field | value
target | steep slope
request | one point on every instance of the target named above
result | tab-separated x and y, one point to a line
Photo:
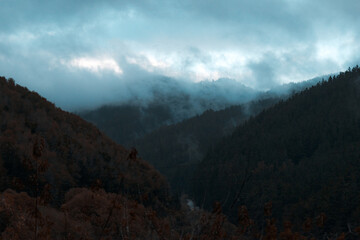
302	154
176	150
76	183
47	152
77	153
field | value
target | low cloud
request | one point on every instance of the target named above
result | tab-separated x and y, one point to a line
94	65
78	53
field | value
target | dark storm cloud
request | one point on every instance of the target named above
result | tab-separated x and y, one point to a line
105	48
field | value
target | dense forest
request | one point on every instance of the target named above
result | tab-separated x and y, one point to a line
125	123
176	150
61	178
302	155
77	153
288	172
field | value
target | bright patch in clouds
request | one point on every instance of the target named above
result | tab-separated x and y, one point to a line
96	65
196	65
153	62
337	49
201	72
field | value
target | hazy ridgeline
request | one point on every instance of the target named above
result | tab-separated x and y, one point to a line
166	101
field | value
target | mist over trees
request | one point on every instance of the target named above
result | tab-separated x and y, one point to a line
179	120
167	101
164	101
281	167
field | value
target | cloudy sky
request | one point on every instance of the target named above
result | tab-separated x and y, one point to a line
77	52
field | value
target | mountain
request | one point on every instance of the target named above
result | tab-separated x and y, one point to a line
78	154
165	102
302	155
61	178
175	150
125	123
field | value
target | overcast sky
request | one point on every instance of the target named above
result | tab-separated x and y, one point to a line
70	50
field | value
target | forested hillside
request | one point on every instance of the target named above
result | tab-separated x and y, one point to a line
302	155
164	102
78	154
176	150
61	178
50	156
125	123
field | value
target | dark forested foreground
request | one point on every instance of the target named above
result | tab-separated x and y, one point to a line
63	179
289	173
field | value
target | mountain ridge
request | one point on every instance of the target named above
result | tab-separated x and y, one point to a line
275	156
70	144
172	102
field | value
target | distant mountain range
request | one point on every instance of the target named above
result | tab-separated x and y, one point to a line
168	101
